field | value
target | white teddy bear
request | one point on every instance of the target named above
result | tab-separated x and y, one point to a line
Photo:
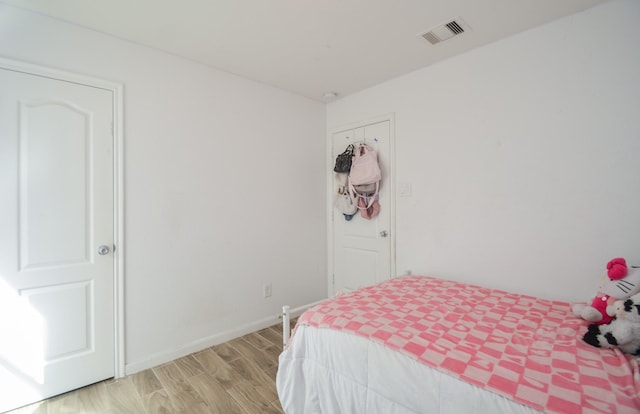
623	332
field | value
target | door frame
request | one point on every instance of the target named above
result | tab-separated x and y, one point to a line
118	187
390	181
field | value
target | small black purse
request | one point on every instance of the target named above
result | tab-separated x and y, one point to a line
343	161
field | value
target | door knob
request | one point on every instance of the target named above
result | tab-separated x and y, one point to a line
384	233
103	249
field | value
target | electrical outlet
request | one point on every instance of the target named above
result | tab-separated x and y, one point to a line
266	290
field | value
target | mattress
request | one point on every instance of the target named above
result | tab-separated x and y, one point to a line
423	345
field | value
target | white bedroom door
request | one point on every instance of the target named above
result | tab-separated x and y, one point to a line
362	251
56	237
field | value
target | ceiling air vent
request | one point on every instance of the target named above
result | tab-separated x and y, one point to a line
445	31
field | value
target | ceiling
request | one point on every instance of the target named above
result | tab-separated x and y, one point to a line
308	47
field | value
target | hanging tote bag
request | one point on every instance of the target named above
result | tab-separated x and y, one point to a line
364	167
365	174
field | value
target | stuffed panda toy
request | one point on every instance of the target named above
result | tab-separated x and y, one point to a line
622	332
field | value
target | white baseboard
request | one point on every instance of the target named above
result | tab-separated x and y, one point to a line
195	346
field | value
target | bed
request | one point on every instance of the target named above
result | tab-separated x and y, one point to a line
419	344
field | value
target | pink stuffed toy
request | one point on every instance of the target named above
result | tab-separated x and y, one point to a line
619	285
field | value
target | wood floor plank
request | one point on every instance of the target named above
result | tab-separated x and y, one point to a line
277	406
189	366
273	353
244	393
210	361
236	377
64	404
252	373
168	372
217	367
257	341
123	397
272	372
146	382
37	408
199	407
93	399
277	328
182	395
272	336
250	352
219	401
157	402
226	377
226	352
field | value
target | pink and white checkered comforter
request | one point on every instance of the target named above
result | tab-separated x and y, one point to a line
525	348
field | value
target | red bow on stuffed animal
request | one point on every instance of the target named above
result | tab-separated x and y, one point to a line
617	268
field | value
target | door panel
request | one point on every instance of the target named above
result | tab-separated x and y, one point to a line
40	161
56	187
362	251
66	309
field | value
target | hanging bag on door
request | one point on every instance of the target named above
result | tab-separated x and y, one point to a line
345	205
364	167
343	161
364	179
343	202
370	212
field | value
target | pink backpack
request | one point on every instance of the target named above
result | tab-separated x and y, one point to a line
364	179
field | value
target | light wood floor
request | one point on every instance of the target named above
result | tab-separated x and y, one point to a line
237	377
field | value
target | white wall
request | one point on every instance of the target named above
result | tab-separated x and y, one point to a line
219	196
523	156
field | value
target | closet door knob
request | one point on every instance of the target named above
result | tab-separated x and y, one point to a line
102	250
384	233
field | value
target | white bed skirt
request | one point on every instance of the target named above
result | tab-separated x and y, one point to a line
331	372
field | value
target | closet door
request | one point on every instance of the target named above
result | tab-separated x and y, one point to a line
362	250
56	237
